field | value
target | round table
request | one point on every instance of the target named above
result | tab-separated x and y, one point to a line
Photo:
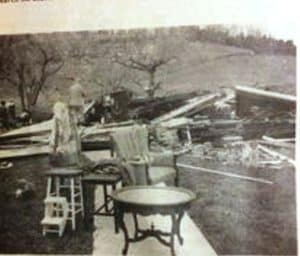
151	200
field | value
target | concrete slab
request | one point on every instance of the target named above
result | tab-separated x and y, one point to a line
107	243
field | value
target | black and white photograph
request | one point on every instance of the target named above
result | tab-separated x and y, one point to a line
168	140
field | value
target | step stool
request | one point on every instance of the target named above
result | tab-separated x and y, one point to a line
56	215
69	179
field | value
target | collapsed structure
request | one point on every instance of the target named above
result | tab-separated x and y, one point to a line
243	126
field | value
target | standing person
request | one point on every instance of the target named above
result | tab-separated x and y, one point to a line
77	100
4	115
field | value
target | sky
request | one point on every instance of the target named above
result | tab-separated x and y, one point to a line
274	17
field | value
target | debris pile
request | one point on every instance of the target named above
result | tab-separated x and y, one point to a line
231	154
242	153
229	127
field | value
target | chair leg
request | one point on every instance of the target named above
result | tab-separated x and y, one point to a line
81	197
73	209
57	186
49	182
176	181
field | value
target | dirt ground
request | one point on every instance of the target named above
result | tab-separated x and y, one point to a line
237	217
244	217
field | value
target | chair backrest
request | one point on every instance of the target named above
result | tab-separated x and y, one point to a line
132	142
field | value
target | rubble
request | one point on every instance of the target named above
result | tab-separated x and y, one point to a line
231	154
193	106
217	132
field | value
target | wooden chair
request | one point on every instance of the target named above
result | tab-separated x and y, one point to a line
56	215
141	166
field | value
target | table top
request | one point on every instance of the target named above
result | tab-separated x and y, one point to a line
153	196
64	172
101	177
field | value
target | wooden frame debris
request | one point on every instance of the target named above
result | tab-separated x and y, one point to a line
276	154
194	105
228	174
247	97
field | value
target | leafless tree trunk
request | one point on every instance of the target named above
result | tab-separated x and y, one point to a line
27	64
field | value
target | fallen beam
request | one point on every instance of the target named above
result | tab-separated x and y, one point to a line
267	94
247	97
276	154
268	138
277	144
22	152
228	174
35	129
193	105
285	139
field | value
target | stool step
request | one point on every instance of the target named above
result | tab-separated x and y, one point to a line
55	199
52	221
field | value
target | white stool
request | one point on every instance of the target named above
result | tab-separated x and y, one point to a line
72	178
56	215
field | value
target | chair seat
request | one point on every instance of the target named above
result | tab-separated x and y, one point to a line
53	221
161	173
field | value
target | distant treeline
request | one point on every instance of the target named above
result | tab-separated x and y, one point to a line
254	40
250	38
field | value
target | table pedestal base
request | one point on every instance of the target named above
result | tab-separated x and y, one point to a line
141	234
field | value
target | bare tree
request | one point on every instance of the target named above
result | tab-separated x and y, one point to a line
110	78
27	64
149	58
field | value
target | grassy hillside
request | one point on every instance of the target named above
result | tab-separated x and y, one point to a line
198	66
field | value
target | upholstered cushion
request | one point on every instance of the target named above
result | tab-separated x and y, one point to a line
164	158
161	173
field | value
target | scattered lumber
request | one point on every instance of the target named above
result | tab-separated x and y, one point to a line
276	154
193	106
151	108
228	174
268	138
285	139
267	94
247	97
277	144
177	122
26	131
27	140
117	124
96	130
22	152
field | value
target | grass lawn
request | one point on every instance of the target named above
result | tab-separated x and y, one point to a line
242	217
20	229
237	217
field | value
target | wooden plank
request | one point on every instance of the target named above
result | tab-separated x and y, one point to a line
283	141
22	152
286	139
40	128
196	103
227	174
269	103
277	144
276	154
268	94
89	132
